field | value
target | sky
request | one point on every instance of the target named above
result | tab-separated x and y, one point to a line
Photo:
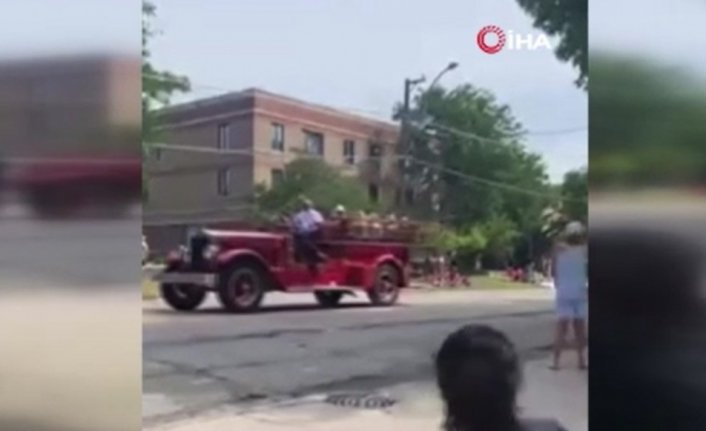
355	55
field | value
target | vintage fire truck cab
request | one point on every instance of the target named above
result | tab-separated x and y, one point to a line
241	267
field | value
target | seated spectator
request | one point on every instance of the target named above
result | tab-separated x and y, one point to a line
479	375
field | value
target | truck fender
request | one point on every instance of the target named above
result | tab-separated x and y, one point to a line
224	259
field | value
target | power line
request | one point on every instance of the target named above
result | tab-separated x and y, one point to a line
493	183
472	178
567	131
377	113
476	137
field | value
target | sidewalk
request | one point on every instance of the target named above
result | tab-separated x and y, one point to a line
562	395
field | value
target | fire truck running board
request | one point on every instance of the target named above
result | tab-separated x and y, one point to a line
347	290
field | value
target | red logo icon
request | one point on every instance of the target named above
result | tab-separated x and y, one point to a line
485	31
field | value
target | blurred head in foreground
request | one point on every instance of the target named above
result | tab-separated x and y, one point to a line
478	374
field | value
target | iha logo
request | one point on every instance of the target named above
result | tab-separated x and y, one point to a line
491	39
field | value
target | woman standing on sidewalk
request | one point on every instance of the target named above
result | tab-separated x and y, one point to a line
569	271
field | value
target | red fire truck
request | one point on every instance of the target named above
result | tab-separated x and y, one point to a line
61	186
241	267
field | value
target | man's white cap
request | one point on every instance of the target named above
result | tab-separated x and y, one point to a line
339	209
574	228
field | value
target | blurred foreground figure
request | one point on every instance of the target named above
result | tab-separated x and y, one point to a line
479	375
71	139
648	353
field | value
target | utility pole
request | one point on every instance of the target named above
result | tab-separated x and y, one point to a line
405	145
435	186
405	141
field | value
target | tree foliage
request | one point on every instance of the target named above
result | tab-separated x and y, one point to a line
157	88
574	193
157	85
490	183
473	168
501	236
468	241
571	204
313	178
567	19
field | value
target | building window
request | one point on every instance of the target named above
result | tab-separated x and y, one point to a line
277	176
223	136
223	182
277	137
314	143
349	152
375	151
373	192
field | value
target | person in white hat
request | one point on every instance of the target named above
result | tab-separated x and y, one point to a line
339	212
569	270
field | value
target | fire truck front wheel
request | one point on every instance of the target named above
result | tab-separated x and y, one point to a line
183	297
242	288
386	289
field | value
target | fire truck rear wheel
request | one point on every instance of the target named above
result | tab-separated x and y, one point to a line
386	289
183	297
328	299
242	288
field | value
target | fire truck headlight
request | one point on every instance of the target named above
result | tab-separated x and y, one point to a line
211	252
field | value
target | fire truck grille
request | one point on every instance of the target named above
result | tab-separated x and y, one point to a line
197	246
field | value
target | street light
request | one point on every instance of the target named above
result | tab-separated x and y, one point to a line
404	148
423	119
451	66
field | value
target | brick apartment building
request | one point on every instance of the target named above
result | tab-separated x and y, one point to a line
262	132
79	104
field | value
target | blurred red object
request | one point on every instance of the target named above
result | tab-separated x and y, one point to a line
62	186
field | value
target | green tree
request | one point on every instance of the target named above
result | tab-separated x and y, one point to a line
482	178
469	241
489	182
501	235
157	85
320	182
567	19
574	193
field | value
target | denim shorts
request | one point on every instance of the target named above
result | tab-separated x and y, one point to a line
572	308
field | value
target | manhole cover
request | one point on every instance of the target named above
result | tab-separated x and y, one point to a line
361	401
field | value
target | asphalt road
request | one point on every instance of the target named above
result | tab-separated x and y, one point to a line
199	361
